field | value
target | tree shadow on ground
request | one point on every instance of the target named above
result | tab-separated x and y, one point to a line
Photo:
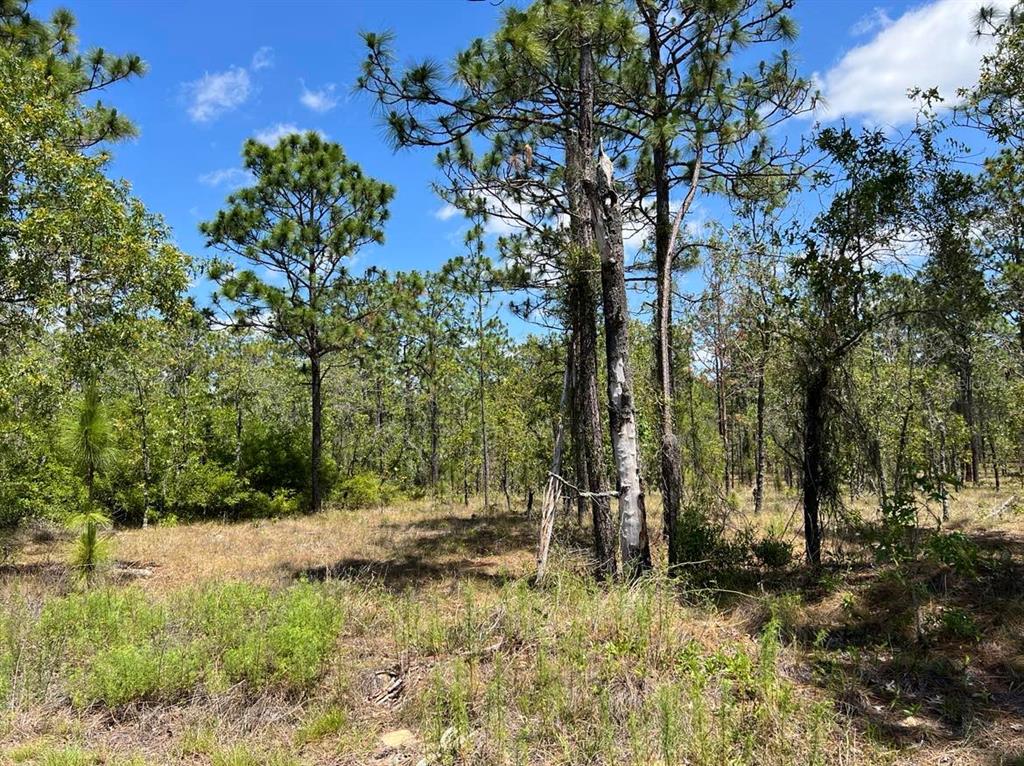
474	535
437	548
921	653
50	574
404	572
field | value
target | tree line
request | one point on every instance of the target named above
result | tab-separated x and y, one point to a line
857	330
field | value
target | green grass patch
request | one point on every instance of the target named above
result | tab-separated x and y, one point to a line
113	647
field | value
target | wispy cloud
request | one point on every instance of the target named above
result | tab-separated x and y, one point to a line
931	45
229	177
878	18
446	212
262	59
320	100
214	94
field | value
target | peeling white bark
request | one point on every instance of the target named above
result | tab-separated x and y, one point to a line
633	540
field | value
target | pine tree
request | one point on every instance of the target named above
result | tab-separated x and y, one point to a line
308	213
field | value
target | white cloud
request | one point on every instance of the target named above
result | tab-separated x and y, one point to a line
262	59
230	177
322	100
274	133
932	45
446	212
214	94
869	22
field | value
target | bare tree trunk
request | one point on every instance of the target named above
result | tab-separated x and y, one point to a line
486	460
942	472
435	420
583	298
634	546
144	437
759	455
723	421
967	383
316	446
815	391
551	488
238	435
665	233
504	484
378	423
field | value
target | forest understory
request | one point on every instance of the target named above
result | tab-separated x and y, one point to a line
414	633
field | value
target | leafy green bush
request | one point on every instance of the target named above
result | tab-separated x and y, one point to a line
955	623
127	673
208	490
291	646
364	490
954	549
772	551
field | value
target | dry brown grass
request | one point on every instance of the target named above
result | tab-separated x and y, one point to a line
417	542
415	577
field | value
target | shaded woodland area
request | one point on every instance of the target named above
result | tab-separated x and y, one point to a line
774	518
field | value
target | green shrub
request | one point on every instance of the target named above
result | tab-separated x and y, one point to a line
92	550
954	549
69	756
291	648
699	537
282	503
364	490
111	647
322	725
129	673
239	755
772	551
955	623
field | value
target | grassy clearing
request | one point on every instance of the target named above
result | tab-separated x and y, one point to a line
414	633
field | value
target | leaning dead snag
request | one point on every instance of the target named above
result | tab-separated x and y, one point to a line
551	493
607	216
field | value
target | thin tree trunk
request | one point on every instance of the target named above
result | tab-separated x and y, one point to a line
942	472
815	391
238	435
759	454
967	382
486	461
551	488
378	423
665	234
435	428
504	484
144	444
995	460
723	422
316	446
634	546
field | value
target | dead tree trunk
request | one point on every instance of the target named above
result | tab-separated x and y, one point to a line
634	546
551	489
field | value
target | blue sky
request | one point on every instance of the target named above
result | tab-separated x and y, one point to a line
221	71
